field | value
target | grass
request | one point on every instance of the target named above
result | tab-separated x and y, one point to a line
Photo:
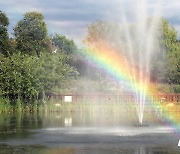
55	105
6	106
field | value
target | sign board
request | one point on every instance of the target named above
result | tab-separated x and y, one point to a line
67	98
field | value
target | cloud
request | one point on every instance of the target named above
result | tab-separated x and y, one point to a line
70	12
71	17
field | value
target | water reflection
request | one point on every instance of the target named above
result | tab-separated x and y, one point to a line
68	122
141	150
18	125
93	132
38	149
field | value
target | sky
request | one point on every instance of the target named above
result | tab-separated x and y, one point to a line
71	17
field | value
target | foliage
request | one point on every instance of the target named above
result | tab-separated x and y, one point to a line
102	31
165	64
69	48
98	33
30	70
173	67
64	44
31	76
5	105
31	34
54	72
16	78
176	88
4	22
169	36
171	52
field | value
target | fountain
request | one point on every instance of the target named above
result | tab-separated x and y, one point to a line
140	44
144	47
127	51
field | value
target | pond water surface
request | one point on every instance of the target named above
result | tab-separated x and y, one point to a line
81	132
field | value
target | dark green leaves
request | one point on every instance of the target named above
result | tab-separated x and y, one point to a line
31	34
4	22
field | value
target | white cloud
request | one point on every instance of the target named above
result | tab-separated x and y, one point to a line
71	17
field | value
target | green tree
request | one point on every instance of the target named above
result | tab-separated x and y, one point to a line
173	53
64	44
169	36
31	76
165	61
69	48
166	64
16	77
4	22
173	67
31	34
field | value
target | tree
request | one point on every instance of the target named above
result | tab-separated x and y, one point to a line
169	55
31	76
4	22
16	77
164	63
169	36
173	67
64	44
173	53
102	32
69	48
31	34
99	34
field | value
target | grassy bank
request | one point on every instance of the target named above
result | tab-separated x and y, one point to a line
7	106
57	105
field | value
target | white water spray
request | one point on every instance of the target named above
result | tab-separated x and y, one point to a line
140	44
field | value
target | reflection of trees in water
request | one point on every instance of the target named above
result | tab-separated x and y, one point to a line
21	149
16	125
141	150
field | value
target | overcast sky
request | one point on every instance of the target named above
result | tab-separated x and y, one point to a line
71	17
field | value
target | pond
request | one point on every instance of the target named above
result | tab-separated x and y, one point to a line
86	132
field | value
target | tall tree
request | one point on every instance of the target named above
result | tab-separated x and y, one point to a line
31	34
4	22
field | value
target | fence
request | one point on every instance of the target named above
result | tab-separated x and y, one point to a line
101	97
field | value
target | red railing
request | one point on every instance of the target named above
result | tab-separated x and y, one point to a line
101	97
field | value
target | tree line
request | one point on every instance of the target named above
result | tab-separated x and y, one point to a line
164	63
34	64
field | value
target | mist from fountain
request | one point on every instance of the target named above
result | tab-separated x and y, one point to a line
140	45
126	47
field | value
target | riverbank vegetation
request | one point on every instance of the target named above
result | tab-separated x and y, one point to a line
35	65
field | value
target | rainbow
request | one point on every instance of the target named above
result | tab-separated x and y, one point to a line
120	68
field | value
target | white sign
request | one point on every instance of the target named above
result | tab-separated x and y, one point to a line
179	143
67	98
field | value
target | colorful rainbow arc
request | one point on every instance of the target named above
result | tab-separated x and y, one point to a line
118	66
